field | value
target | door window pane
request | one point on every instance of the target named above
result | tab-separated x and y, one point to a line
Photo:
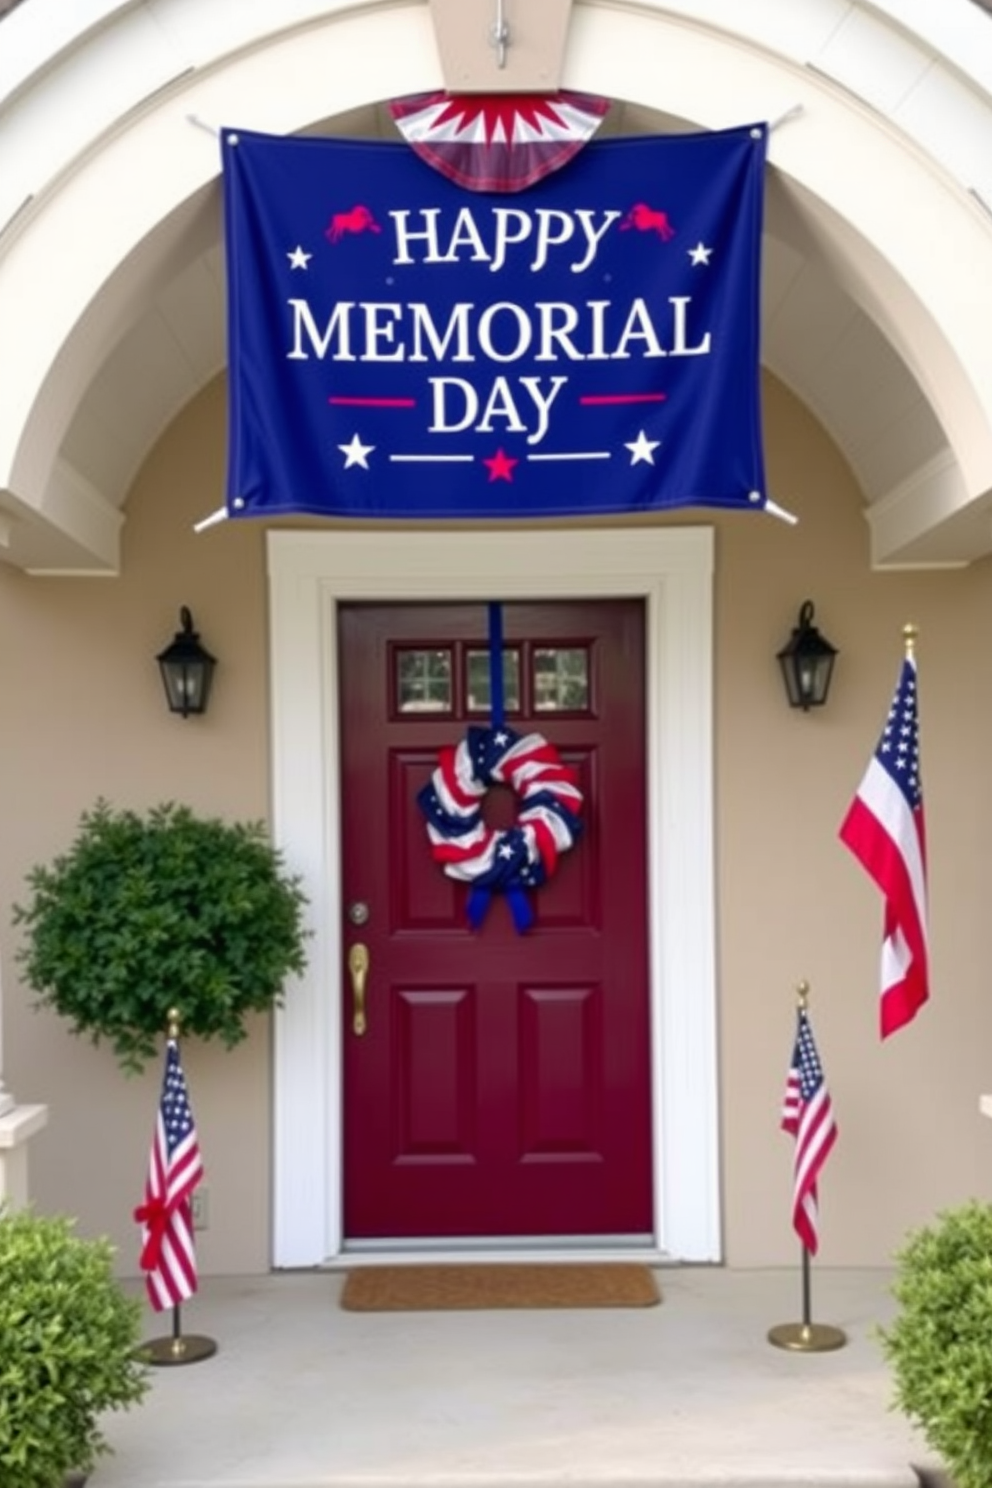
423	681
477	689
561	679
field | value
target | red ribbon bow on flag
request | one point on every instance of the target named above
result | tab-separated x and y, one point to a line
154	1214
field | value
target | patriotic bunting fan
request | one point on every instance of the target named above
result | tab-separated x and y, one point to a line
497	141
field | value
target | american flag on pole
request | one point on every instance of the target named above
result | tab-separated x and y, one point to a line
168	1257
884	828
807	1115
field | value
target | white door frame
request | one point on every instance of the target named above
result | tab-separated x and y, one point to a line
310	573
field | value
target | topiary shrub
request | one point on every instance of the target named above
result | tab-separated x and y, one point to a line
940	1345
146	913
68	1336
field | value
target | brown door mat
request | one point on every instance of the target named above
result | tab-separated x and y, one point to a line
462	1287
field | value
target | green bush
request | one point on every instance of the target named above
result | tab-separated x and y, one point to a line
167	910
68	1336
940	1345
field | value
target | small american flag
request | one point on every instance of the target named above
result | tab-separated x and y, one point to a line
884	829
168	1257
807	1115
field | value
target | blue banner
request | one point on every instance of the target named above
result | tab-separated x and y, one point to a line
399	347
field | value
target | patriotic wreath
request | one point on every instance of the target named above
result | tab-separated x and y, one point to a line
521	857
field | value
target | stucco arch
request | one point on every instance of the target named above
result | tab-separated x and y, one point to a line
110	267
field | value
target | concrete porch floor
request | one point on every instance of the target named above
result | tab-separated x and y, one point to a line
303	1395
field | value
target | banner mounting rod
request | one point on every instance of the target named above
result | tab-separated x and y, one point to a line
790	113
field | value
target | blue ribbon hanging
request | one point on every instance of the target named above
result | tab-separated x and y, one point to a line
480	898
497	697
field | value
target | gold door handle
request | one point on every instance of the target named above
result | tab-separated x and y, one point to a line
358	966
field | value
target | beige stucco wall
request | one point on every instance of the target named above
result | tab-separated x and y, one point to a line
89	720
92	721
792	902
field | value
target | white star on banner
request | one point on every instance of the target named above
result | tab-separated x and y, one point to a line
298	259
356	453
700	254
642	449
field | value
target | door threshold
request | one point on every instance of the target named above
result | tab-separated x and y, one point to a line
493	1252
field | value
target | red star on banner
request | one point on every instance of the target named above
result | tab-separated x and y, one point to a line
500	466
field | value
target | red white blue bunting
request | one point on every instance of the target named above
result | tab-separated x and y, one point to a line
521	857
498	141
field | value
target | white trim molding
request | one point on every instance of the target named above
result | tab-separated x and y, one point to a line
310	575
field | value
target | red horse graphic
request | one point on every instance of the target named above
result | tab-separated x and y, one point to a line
358	220
647	219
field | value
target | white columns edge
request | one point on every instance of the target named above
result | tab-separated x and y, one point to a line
17	1126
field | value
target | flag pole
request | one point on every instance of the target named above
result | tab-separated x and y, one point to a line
177	1347
806	1337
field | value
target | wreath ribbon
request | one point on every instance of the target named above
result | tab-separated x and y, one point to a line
511	861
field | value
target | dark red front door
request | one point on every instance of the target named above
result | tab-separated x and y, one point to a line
500	1086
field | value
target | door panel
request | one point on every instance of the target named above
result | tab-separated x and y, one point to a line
501	1086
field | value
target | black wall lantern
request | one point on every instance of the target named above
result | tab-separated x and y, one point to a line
186	670
807	663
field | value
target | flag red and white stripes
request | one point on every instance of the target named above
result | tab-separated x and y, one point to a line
884	828
807	1115
168	1255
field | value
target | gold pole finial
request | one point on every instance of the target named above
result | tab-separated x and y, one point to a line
909	635
172	1030
802	995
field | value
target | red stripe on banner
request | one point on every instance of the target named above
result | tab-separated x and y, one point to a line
374	402
591	399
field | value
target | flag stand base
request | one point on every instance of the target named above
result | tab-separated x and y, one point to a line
807	1338
188	1348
